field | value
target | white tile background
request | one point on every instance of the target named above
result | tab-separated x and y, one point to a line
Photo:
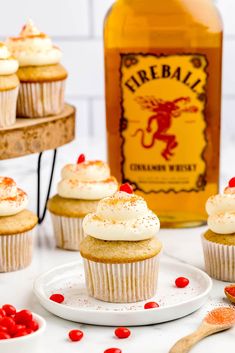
76	26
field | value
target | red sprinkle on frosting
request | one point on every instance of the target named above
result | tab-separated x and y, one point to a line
81	158
126	188
231	183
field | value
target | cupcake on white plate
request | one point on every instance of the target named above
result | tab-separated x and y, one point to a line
81	187
9	87
121	250
42	77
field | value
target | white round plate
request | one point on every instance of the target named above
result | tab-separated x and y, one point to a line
79	307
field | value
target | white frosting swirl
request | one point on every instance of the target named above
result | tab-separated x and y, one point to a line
89	180
12	199
8	65
221	211
122	217
33	48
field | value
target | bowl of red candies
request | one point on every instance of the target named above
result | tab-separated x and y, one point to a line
20	331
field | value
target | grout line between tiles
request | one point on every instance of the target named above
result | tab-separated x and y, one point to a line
92	36
91	18
90	117
101	97
84	97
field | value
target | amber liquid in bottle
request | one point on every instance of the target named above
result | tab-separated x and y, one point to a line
163	63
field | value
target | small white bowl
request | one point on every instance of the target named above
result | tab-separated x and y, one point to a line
25	344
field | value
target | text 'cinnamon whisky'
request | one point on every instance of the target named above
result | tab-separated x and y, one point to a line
163	63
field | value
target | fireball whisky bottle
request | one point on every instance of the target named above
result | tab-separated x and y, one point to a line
163	63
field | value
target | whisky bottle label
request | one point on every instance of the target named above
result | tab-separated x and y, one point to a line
163	125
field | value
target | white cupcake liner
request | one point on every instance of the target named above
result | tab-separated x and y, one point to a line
68	232
122	283
219	260
8	101
37	100
16	251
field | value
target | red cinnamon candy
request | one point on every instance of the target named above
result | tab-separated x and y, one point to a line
126	188
57	297
230	292
230	189
231	183
16	323
81	158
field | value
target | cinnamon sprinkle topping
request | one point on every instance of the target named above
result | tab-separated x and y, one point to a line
221	316
29	36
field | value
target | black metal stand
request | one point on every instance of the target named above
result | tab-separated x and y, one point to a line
42	216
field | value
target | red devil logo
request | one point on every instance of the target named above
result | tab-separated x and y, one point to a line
164	112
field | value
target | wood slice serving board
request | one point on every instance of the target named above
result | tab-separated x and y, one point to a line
29	136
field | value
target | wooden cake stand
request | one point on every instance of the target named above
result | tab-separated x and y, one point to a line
30	136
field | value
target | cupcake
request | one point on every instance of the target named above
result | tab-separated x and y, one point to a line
42	77
16	227
9	87
121	250
219	241
82	186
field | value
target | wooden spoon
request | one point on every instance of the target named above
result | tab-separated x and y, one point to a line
217	320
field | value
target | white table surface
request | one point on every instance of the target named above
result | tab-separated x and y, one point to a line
180	245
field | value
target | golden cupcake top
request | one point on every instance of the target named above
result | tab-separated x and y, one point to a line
225	239
33	47
119	252
71	207
221	210
19	223
87	180
122	217
8	65
12	199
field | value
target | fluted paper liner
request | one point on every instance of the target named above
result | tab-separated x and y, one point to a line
219	260
122	283
16	251
68	232
40	99
8	101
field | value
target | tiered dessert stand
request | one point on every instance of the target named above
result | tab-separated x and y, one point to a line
30	136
